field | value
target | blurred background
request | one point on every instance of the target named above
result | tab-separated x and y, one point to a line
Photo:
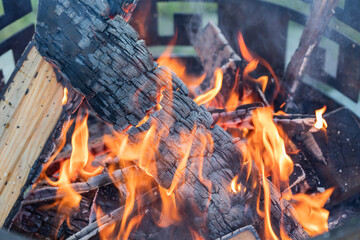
271	28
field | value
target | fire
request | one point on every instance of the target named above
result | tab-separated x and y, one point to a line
178	66
266	147
210	95
310	212
143	153
233	100
264	144
78	166
237	187
320	122
169	212
65	98
254	60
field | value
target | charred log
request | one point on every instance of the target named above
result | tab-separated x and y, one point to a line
104	60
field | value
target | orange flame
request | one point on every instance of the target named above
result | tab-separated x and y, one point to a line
76	167
266	147
210	95
254	60
237	187
65	98
320	122
106	230
169	212
310	212
233	100
178	66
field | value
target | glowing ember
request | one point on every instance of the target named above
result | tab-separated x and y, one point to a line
320	122
65	98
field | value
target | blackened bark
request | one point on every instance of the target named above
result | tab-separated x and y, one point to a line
104	60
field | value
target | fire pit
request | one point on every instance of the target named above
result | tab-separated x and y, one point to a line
129	119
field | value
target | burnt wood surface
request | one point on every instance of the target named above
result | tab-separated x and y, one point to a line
215	52
340	146
321	13
43	221
104	60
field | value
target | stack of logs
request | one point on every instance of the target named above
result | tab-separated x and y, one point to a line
108	66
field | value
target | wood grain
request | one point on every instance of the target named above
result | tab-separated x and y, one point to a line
29	110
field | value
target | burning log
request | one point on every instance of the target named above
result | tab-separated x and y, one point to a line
339	146
92	229
195	161
39	220
216	53
32	113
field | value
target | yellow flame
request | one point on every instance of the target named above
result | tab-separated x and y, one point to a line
320	122
65	98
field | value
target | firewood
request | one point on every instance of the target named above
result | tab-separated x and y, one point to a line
339	146
43	221
30	109
92	229
215	52
50	193
104	60
245	233
322	11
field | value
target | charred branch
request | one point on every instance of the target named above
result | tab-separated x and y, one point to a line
322	11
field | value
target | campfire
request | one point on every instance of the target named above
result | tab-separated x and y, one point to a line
142	148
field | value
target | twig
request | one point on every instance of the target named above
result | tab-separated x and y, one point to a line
116	215
51	193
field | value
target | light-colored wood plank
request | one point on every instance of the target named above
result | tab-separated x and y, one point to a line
36	106
16	91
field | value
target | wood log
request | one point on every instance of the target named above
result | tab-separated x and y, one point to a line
322	11
43	221
104	60
30	109
339	146
215	52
